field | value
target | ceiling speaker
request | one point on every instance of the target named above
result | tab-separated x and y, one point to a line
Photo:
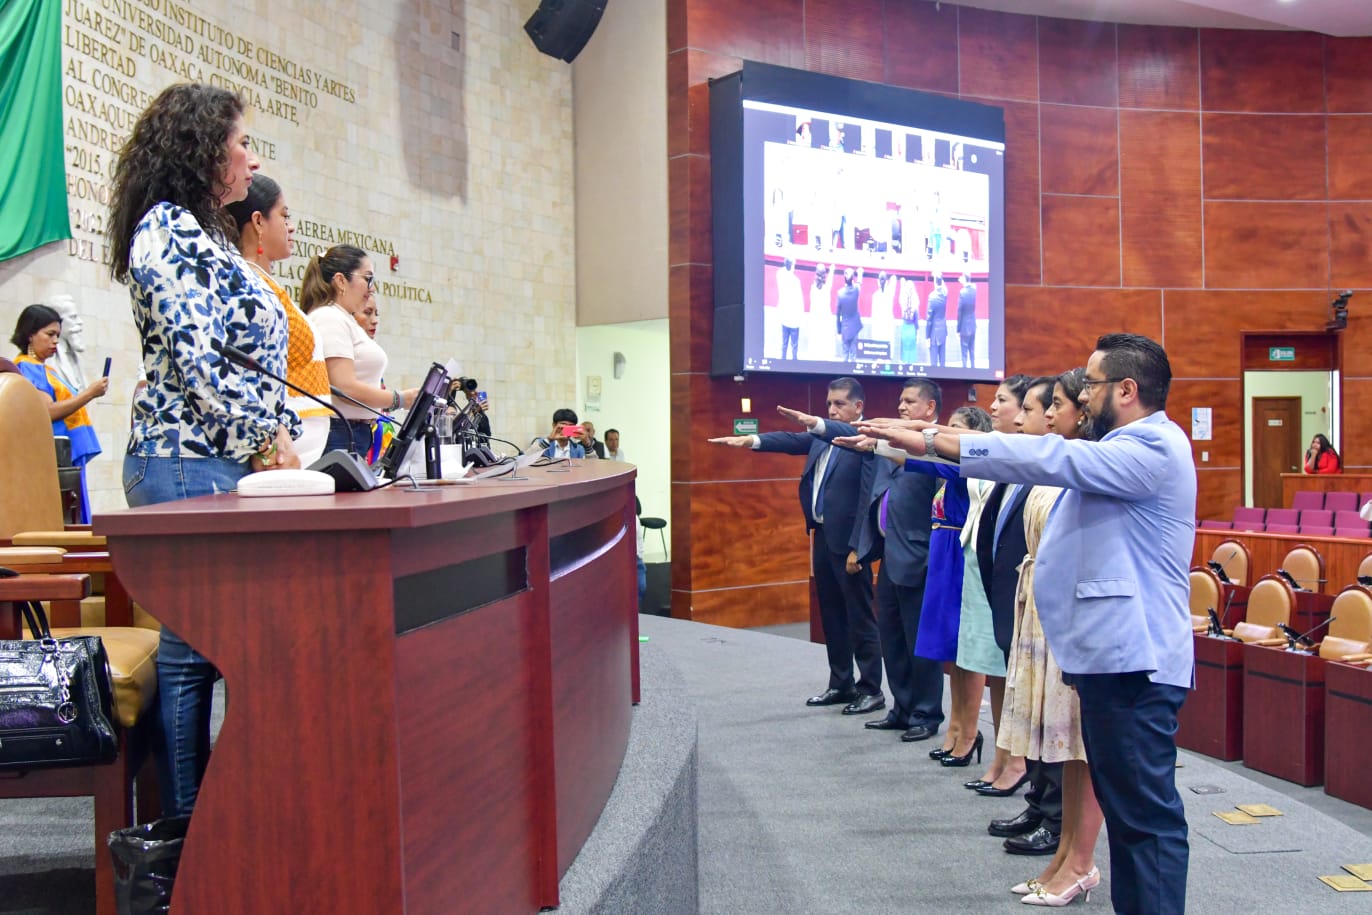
561	28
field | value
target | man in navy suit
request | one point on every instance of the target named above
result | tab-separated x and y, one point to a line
893	526
830	491
1112	589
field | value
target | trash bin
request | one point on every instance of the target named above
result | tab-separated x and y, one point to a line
145	862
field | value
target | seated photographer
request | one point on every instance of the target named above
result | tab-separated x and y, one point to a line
562	446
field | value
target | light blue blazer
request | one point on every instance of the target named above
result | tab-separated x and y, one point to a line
1111	579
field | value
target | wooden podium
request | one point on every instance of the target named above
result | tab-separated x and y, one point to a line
1211	719
1283	714
1347	721
429	690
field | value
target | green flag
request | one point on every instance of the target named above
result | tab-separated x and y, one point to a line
33	192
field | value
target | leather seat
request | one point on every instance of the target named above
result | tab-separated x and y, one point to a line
1205	596
1350	630
1234	557
1270	602
1305	564
132	655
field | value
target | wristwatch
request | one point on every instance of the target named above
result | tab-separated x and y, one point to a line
929	436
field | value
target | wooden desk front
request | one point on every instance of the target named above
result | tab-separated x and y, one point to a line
1283	714
430	691
1341	554
1211	718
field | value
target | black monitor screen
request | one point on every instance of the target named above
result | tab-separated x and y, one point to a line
434	388
859	229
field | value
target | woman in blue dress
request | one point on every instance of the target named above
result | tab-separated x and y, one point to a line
947	590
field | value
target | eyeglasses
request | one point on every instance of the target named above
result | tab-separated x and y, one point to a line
371	281
1092	382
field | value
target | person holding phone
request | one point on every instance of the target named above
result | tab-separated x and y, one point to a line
1321	457
565	432
36	335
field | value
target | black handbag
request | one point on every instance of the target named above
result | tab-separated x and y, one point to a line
56	702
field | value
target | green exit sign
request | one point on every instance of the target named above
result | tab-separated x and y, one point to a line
745	427
1281	354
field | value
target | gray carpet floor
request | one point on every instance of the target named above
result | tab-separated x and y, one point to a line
803	811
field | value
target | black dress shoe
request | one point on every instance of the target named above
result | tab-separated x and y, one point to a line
1039	842
1026	822
993	791
889	723
918	732
832	696
865	704
975	783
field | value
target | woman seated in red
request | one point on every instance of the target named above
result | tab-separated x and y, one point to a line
1321	457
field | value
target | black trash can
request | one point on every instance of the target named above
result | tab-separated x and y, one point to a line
145	861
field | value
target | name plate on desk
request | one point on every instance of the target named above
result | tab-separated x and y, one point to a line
429	597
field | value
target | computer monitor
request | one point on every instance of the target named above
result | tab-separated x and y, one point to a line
434	388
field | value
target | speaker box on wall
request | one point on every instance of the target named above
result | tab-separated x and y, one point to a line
561	28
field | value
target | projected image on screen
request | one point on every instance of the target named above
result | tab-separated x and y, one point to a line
873	254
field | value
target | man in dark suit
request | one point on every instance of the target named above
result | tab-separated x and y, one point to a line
893	526
849	312
831	488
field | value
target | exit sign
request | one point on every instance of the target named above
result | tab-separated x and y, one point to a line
1281	354
745	427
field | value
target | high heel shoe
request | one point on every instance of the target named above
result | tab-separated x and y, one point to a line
1040	896
939	753
975	783
966	759
993	791
1029	886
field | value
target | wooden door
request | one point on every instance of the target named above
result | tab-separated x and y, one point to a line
1276	426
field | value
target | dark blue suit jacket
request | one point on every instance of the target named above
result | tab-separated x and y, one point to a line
1000	568
846	478
905	548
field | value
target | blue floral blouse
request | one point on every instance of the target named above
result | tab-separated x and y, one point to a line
189	290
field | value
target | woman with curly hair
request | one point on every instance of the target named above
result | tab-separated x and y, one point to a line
202	423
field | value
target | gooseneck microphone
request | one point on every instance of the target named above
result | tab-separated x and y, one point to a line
1295	639
350	473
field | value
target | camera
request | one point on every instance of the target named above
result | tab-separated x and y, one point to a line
465	384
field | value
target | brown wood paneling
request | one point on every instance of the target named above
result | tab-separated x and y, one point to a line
1313	352
845	38
1081	241
1292	483
1079	154
770	31
1266	245
1160	206
1348	74
1223	397
1264	157
1023	213
714	403
922	46
757	605
1261	71
1341	554
688	98
1350	157
1050	330
997	54
1203	326
757	534
1217	492
676	24
1159	67
1357	423
678	104
1077	63
689	238
691	316
1350	241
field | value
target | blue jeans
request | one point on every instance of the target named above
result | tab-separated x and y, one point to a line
185	680
354	437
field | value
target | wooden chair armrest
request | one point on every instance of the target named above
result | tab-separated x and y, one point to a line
45	587
1269	643
1362	656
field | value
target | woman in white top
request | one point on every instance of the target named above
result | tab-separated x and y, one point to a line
336	286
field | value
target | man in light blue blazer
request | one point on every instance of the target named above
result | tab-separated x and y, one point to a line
1111	583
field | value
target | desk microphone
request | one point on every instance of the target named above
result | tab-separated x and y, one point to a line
1294	638
1290	579
1216	629
1218	568
350	473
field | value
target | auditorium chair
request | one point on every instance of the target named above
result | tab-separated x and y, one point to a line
1307	500
1234	558
133	674
1341	501
1217	525
31	513
1249	519
1305	564
1283	521
1269	603
1317	522
1205	596
1365	567
1350	631
1349	524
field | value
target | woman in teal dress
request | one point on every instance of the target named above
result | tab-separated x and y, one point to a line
35	335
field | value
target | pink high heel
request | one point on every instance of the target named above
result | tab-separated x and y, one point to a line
1041	896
